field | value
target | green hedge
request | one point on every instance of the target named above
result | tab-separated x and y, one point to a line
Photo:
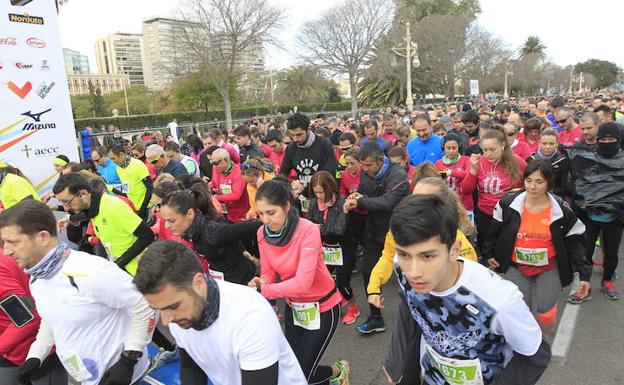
160	120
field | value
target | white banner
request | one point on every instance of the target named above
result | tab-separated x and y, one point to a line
36	121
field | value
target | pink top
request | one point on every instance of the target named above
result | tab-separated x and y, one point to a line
234	155
493	183
454	181
276	158
522	149
300	266
349	184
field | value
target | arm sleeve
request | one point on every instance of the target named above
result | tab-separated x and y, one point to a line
190	372
145	236
575	247
309	250
343	189
266	376
403	357
383	268
126	297
459	174
219	233
397	189
469	183
149	185
525	370
43	343
11	336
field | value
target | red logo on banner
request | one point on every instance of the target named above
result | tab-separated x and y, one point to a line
20	91
36	42
23	66
8	41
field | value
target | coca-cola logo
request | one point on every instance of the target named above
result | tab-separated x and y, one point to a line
8	41
36	42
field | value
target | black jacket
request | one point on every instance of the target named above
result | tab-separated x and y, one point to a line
561	167
380	198
219	241
335	229
568	236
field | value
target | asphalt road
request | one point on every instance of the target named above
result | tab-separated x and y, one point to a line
594	356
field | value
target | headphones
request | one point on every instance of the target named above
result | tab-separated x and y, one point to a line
451	136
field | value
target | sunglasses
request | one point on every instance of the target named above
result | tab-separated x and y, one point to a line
216	162
247	166
563	120
155	160
346	148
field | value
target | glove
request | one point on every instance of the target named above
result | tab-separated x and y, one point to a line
27	370
120	373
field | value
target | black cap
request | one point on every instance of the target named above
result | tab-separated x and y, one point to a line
610	129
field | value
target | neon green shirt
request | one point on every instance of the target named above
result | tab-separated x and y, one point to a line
132	181
14	189
114	225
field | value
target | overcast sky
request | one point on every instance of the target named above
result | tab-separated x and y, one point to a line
572	30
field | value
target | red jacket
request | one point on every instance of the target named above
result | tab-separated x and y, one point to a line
236	200
349	184
14	341
454	181
522	150
492	183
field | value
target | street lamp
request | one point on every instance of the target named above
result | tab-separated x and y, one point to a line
411	50
507	73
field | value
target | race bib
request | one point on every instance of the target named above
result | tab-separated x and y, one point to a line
216	274
307	315
339	174
225	189
75	367
123	187
532	257
456	372
332	255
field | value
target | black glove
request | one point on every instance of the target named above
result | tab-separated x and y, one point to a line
120	373
27	370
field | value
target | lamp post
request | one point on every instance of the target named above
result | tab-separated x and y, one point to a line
410	49
507	73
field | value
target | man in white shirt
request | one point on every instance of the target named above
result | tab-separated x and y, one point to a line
227	333
173	130
89	308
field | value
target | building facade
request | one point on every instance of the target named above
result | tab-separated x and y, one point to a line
165	54
120	54
75	62
79	84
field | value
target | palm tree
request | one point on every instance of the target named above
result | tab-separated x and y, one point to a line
302	84
532	48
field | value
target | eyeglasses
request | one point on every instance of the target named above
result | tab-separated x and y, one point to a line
154	161
562	121
216	162
67	203
154	204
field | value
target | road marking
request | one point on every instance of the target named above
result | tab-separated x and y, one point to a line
565	332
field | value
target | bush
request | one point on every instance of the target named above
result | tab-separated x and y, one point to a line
138	122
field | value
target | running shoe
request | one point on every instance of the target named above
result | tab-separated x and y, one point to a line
343	376
575	299
164	357
609	290
373	324
353	311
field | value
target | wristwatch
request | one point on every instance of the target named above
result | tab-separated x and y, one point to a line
132	355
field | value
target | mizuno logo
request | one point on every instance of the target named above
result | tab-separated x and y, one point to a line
35	117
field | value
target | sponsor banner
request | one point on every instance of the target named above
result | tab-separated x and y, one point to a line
36	123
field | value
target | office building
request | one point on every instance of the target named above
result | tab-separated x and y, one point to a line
120	54
75	62
79	84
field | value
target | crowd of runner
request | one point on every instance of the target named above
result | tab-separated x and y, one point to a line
234	252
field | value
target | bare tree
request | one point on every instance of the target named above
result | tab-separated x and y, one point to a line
344	37
219	36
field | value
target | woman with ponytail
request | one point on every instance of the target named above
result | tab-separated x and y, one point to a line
191	214
493	174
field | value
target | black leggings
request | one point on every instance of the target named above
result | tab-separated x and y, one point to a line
357	222
612	235
372	252
484	222
310	345
344	272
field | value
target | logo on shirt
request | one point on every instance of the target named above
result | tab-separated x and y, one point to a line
492	184
305	169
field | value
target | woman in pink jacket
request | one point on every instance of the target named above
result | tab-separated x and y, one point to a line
290	247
